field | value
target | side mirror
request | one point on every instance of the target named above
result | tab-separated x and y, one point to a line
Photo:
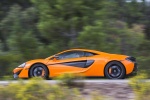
55	57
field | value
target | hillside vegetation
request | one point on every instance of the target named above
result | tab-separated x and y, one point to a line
32	29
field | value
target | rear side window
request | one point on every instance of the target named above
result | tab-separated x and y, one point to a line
88	54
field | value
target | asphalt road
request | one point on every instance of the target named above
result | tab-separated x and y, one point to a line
120	81
86	81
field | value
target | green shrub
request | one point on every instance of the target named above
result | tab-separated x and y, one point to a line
9	92
38	89
35	89
140	87
70	80
144	64
10	77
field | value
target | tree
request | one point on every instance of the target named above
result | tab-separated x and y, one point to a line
93	37
65	19
113	37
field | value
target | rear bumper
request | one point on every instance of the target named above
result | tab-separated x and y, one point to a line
135	70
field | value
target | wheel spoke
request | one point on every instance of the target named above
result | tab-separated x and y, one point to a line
110	70
38	71
114	71
43	73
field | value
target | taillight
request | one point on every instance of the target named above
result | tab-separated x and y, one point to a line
132	59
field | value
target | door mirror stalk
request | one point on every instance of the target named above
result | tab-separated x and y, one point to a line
56	57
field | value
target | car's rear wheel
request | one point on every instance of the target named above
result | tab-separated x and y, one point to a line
39	70
115	70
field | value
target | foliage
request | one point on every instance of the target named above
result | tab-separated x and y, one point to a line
39	89
8	59
32	29
141	87
114	34
143	63
71	80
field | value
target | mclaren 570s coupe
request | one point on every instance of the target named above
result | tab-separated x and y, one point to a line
88	63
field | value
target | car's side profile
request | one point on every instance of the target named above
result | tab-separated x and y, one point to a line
89	63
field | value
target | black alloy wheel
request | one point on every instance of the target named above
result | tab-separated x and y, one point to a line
115	70
39	70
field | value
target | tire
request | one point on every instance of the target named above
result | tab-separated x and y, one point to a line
115	70
39	70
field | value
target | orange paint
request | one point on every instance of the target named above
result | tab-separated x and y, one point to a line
58	67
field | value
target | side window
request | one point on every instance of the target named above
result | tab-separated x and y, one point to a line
88	54
71	54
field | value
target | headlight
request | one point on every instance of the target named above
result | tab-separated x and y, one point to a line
22	65
132	59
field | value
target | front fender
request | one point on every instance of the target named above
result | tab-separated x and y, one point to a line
24	72
31	62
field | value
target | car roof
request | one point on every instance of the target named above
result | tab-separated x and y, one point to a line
88	50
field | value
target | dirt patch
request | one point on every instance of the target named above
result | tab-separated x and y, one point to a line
114	91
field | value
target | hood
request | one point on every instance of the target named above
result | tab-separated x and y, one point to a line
44	61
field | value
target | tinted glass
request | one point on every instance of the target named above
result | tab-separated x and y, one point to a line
71	54
87	54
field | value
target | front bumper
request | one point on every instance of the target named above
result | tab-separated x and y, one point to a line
16	72
15	76
20	73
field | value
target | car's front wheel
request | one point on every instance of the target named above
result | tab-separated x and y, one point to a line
39	70
115	70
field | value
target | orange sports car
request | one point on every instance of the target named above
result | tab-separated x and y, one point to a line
89	63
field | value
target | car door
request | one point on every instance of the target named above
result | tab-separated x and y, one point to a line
67	62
